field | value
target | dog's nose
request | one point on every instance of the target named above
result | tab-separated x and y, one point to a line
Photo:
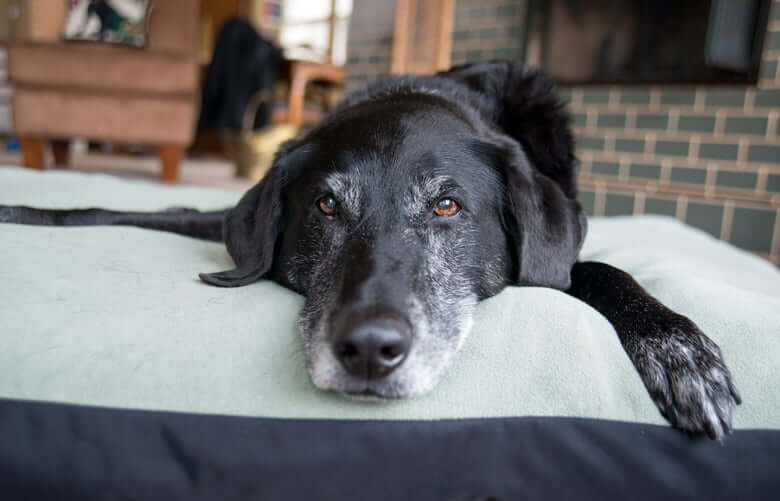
372	350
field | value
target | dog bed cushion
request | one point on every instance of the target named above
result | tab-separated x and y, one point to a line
108	339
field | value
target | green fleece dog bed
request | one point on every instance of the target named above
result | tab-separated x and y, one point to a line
96	318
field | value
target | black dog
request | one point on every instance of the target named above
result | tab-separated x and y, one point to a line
411	202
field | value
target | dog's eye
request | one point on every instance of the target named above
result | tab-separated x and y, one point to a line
328	206
446	207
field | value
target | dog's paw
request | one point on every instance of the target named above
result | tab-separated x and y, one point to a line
685	374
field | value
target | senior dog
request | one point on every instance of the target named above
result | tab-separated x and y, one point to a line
408	204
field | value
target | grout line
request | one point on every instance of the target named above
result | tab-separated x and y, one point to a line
742	152
623	169
728	217
750	98
710	180
649	145
576	98
745	199
757	112
631	121
720	123
771	124
666	171
684	161
774	251
655	99
682	208
698	101
590	119
763	179
639	203
599	200
609	142
613	99
693	149
674	120
681	135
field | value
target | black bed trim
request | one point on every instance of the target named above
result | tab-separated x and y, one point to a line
62	451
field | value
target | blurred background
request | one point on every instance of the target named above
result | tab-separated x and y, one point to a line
675	103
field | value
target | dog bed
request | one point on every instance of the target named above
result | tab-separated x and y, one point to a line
123	376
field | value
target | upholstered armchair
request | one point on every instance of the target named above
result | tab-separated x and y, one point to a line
110	92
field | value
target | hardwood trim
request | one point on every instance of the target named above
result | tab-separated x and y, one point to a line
170	158
403	17
33	152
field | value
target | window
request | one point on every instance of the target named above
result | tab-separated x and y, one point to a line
314	29
648	41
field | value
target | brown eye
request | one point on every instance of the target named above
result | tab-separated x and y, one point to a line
328	206
446	207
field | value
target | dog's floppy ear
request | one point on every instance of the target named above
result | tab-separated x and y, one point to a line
251	230
546	227
523	103
542	215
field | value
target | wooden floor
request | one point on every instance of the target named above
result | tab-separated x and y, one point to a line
210	172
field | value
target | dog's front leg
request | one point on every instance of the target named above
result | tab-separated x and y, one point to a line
681	367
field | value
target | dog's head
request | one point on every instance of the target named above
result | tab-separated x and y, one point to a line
408	204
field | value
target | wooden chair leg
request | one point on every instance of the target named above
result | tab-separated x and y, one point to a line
61	150
170	157
33	152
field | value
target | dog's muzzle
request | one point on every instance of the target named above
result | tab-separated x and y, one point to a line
373	347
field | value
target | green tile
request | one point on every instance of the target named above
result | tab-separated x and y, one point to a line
688	175
614	120
752	229
595	96
737	179
769	69
772	40
579	119
645	171
478	13
767	98
764	153
678	96
506	10
630	145
628	96
776	11
588	201
461	35
730	97
705	216
514	32
504	53
590	143
664	206
488	33
652	121
773	183
718	151
564	94
746	125
618	205
473	55
607	168
676	148
696	123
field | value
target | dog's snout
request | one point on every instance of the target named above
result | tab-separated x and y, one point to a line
372	349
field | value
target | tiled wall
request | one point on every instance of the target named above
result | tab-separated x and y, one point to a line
708	155
484	29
